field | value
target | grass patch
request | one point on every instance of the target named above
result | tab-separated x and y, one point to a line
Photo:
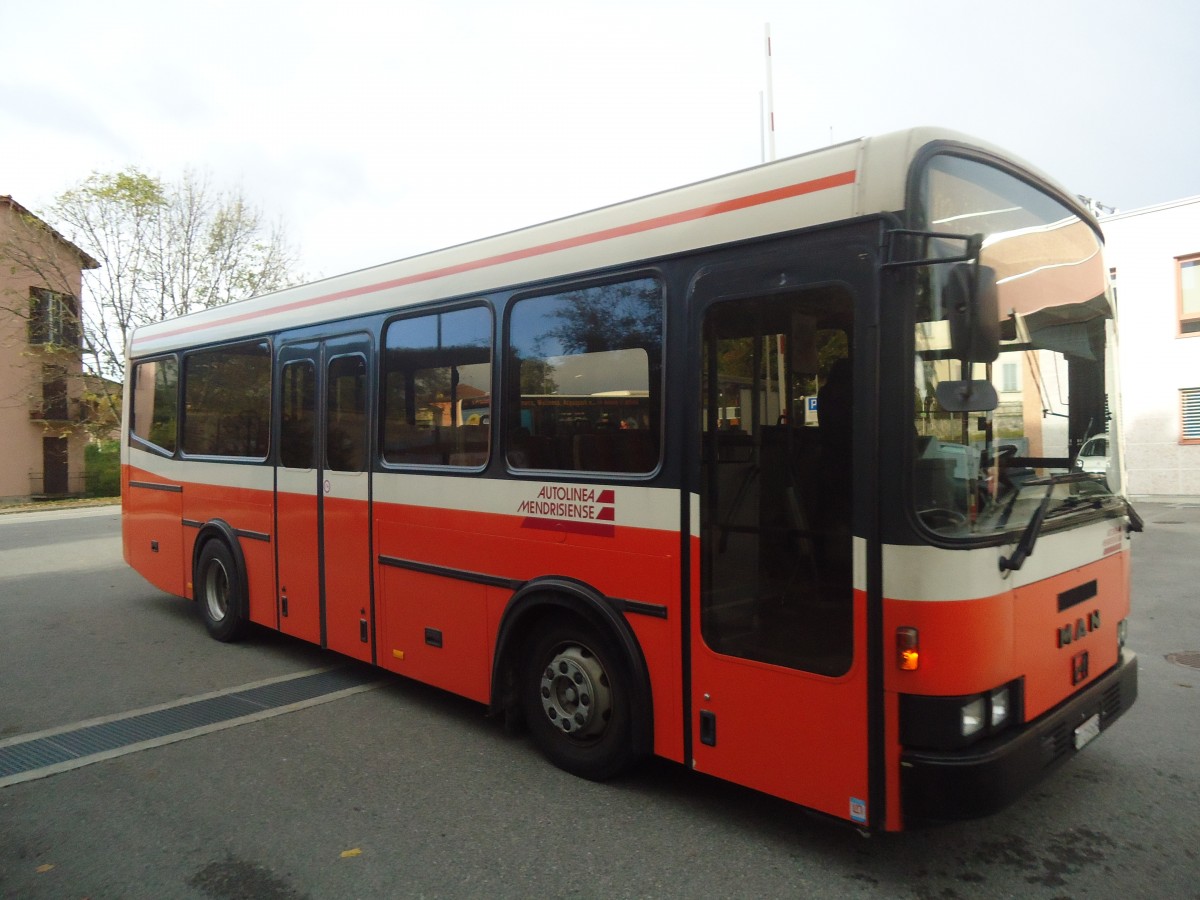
102	469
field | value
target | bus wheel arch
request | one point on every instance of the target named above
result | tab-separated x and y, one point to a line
219	582
599	678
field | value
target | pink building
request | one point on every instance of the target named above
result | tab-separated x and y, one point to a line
43	407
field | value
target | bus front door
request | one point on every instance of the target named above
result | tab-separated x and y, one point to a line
778	686
323	494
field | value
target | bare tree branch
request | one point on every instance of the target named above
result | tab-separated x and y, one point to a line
166	249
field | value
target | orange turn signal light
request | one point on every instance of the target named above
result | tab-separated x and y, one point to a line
908	654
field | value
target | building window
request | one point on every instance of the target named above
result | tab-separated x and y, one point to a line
54	394
1008	378
53	318
1190	408
1188	277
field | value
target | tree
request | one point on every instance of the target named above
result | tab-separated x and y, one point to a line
610	317
165	249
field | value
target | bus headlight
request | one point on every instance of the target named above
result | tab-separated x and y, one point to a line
953	723
973	717
1122	633
998	714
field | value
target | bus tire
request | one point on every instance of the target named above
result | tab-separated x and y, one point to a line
576	691
218	588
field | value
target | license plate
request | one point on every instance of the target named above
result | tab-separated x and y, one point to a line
1088	730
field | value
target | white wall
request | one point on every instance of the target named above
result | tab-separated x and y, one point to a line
1156	362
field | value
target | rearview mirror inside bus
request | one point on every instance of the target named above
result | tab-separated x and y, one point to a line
967	396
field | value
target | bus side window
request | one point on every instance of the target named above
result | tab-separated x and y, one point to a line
299	406
586	396
345	435
154	412
437	387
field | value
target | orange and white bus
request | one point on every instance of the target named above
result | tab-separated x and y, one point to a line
771	475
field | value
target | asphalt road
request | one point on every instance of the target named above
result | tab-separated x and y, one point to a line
403	791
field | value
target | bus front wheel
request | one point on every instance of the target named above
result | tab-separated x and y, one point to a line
576	692
218	588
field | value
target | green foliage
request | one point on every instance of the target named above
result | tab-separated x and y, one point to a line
102	468
165	249
131	190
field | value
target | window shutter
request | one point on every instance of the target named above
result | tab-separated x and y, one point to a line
1191	413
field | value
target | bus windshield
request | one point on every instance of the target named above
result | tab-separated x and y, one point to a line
989	471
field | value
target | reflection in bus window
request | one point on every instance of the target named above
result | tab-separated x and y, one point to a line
346	414
298	402
438	389
154	413
588	370
777	480
985	471
227	401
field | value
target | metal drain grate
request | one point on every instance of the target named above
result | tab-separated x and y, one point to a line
1189	658
24	758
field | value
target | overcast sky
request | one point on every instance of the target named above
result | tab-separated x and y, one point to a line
381	130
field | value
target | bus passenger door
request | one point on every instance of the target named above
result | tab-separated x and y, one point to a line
345	493
778	686
297	537
323	494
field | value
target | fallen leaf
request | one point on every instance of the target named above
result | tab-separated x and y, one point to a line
346	854
45	867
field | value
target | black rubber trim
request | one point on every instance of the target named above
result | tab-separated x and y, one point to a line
155	486
252	535
239	532
656	610
447	572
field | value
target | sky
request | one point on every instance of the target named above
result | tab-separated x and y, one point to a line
376	131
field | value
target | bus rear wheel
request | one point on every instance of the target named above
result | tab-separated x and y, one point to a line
218	588
576	692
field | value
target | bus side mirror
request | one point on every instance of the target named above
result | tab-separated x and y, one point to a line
973	307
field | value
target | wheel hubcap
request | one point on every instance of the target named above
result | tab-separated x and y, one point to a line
216	591
575	693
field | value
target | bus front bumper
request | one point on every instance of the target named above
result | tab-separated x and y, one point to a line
941	786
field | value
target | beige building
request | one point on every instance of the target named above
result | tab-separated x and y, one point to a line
44	404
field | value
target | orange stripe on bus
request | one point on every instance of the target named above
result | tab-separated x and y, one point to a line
840	179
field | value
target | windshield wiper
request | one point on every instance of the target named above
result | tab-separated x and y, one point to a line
1029	536
1136	522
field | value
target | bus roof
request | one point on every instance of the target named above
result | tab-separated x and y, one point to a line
843	181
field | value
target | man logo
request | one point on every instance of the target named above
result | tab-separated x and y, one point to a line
1081	628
